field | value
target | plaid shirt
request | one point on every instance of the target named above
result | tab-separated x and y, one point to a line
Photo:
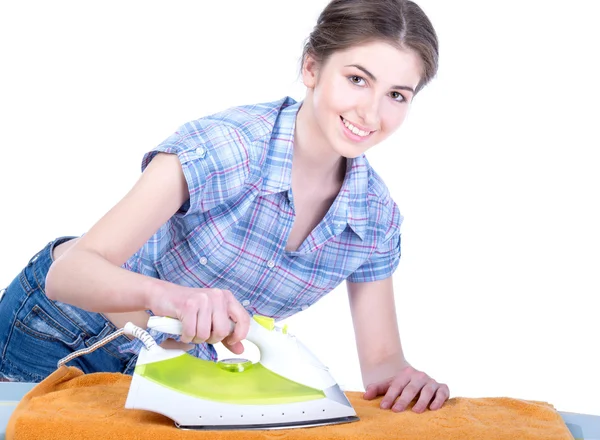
232	232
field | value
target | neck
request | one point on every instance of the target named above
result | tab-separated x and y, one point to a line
313	157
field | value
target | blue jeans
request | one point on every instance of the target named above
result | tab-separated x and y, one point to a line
36	332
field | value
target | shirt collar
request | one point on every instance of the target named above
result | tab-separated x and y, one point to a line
277	168
350	206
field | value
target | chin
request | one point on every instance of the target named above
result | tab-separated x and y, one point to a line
352	155
348	152
351	150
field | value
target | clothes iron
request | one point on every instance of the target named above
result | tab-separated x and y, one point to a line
287	388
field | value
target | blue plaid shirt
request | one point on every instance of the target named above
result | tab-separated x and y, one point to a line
232	232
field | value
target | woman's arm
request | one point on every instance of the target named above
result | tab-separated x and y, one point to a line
376	330
384	368
89	276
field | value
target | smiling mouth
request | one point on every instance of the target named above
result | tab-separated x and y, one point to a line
355	130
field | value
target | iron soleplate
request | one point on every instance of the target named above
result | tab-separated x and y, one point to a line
271	426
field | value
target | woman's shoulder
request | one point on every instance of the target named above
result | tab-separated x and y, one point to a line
229	136
379	197
377	189
250	121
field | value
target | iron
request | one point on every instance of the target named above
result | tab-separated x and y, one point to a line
287	388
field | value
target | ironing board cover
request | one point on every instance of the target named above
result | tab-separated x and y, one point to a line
71	404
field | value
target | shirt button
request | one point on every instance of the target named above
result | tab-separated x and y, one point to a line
200	151
271	264
203	260
245	303
304	306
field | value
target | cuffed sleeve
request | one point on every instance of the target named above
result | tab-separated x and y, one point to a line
215	162
384	260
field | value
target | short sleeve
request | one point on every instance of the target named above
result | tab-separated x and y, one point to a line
384	260
215	160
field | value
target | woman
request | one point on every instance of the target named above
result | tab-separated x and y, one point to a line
258	209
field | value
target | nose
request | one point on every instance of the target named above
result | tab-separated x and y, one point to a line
368	112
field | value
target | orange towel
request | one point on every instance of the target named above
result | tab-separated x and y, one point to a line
72	405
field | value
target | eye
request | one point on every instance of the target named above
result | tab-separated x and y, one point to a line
397	96
355	79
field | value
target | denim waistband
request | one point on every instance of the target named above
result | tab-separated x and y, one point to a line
40	262
95	324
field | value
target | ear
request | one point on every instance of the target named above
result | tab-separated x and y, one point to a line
309	72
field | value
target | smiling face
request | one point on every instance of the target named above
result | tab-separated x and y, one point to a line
361	95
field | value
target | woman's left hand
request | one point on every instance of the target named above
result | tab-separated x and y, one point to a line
400	390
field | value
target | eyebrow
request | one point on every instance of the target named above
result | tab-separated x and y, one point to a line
370	75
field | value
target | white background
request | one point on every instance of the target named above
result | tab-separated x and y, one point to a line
495	170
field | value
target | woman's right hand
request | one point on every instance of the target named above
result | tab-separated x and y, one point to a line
205	314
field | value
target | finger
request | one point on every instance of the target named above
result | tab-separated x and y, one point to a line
188	327
219	318
189	319
442	394
237	348
204	323
417	382
376	389
425	396
241	318
394	390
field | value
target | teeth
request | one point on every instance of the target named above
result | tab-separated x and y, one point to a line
355	130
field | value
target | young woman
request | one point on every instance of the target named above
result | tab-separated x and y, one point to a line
258	209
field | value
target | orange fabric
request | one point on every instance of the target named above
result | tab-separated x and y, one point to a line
72	405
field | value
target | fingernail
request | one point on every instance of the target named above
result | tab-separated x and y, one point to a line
385	405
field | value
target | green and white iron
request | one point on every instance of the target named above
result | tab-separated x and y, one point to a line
288	388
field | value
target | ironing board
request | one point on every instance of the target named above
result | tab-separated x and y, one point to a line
582	426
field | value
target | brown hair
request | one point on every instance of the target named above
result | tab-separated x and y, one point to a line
402	23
